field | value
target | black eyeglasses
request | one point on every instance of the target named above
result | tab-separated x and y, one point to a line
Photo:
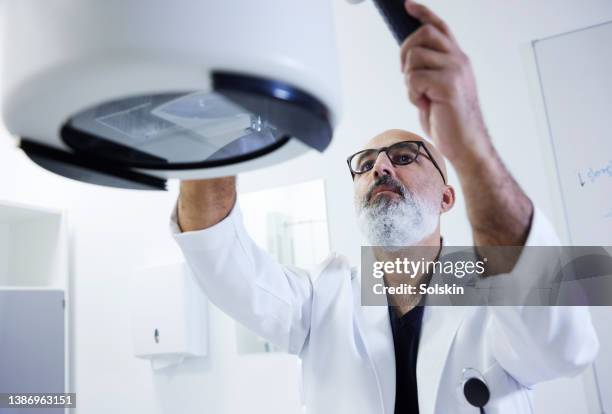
400	153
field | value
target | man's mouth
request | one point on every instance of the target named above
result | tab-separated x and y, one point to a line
385	189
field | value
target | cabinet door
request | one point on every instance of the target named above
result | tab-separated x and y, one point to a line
32	348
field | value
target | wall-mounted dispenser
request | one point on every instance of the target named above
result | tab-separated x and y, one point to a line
169	315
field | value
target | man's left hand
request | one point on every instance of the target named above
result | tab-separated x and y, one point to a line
441	83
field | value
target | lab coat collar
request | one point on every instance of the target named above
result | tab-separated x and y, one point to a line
439	327
375	328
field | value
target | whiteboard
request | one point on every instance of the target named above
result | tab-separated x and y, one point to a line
575	74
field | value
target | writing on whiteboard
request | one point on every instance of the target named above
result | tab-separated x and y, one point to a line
592	175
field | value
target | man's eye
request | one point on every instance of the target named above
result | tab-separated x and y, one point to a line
366	165
404	159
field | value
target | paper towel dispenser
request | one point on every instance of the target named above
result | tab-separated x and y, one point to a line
129	94
169	315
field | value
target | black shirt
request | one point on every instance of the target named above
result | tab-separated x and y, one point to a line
406	334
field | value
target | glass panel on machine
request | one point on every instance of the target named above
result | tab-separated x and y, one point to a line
176	128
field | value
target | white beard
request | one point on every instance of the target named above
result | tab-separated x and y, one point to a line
387	222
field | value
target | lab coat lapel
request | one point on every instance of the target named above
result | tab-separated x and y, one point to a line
440	324
375	328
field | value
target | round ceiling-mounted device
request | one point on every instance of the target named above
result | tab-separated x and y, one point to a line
130	93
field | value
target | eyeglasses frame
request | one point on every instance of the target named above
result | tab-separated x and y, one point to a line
420	144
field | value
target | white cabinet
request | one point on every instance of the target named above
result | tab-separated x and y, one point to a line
34	300
33	247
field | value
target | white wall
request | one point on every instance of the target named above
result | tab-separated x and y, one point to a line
4	252
7	178
7	158
117	231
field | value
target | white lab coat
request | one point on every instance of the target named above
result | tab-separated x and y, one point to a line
347	349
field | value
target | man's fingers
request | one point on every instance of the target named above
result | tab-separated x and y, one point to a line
419	81
423	58
426	83
427	36
426	16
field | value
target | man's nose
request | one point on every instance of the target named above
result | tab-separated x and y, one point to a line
383	166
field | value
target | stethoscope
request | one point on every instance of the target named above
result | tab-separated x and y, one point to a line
475	389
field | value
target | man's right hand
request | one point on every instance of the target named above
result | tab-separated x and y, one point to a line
204	203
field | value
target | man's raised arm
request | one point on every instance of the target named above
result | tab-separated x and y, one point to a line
204	203
441	84
239	277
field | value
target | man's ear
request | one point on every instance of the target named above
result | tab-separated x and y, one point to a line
448	199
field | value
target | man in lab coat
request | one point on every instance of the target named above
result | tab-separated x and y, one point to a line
359	359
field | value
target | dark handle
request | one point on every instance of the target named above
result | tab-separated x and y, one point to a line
399	21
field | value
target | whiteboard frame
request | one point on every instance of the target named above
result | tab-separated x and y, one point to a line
560	215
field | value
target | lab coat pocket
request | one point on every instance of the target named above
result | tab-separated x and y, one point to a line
507	394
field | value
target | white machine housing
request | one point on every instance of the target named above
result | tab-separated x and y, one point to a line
63	57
